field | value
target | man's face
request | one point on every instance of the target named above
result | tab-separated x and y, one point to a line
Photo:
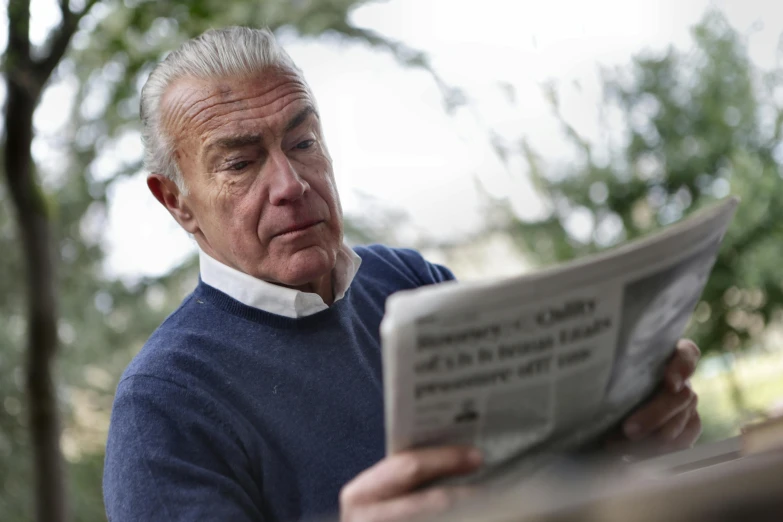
261	188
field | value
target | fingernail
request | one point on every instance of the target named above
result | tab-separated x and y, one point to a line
632	430
474	457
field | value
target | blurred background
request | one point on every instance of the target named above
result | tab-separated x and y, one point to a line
495	136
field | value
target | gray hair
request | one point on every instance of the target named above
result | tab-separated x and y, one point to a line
217	53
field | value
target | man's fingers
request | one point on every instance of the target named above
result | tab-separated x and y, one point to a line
401	473
690	434
682	365
670	431
657	412
431	501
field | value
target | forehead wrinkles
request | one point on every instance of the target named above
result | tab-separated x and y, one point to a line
197	108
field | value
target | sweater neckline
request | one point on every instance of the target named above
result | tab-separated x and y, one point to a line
222	301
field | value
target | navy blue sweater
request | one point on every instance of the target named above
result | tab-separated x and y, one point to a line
231	413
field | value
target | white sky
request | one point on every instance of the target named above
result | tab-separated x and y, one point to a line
385	124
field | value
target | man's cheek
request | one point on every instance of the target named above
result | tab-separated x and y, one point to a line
328	191
231	188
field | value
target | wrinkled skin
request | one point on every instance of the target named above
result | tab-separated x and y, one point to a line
261	196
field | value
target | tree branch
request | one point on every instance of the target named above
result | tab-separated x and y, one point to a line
18	52
60	39
17	55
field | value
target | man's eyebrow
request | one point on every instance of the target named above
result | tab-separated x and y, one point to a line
300	117
233	142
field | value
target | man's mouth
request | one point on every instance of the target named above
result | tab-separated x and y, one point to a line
298	227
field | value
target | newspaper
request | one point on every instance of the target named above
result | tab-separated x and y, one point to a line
541	364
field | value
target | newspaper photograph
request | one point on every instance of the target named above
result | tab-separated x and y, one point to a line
548	361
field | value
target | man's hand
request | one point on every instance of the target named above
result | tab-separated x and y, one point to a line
669	421
387	491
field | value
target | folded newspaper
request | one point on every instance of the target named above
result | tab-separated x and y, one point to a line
542	364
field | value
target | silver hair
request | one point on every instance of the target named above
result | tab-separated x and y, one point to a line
217	53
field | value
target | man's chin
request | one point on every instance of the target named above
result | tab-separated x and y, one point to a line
307	266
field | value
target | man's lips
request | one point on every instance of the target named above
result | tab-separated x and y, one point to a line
298	227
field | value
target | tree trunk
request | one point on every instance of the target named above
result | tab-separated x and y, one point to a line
23	91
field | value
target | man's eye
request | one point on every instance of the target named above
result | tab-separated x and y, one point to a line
306	144
239	165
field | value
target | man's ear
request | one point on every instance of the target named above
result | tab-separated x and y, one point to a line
169	195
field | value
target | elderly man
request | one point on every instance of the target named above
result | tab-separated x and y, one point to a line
260	397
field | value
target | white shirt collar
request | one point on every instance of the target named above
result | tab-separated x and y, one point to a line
273	298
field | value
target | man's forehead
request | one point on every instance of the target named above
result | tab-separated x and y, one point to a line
193	102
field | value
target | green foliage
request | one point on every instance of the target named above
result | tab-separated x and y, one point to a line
104	322
699	125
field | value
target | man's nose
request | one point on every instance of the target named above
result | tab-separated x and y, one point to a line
286	186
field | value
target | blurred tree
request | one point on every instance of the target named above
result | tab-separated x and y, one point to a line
26	75
98	56
698	125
